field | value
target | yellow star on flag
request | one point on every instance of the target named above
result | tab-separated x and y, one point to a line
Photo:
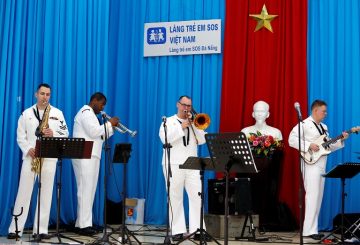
263	19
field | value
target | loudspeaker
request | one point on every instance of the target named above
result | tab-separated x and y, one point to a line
349	220
239	197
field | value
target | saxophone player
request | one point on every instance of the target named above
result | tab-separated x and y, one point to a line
37	120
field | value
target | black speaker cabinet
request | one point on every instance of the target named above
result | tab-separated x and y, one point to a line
239	196
113	212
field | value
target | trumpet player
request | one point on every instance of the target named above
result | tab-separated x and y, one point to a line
87	125
28	123
184	142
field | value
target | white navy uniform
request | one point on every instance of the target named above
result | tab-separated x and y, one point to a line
312	174
26	139
87	125
183	146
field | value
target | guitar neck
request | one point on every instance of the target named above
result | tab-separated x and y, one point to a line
333	140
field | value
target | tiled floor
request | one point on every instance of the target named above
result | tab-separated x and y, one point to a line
146	234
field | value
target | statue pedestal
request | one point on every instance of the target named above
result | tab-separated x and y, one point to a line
264	187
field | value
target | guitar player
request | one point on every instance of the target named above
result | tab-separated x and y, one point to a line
311	129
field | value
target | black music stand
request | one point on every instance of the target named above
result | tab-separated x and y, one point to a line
198	163
342	171
58	147
122	155
353	228
231	152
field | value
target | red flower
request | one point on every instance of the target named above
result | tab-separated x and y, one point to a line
263	145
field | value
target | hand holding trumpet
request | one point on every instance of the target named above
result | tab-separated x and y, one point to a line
114	121
117	125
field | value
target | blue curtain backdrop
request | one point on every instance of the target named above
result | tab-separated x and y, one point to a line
80	47
333	68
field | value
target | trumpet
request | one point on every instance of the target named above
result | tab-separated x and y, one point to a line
120	127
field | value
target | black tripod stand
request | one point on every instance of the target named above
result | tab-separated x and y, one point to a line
122	155
230	152
353	229
167	149
16	223
39	153
343	171
57	147
197	163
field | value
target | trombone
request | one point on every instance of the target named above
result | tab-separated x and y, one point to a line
200	120
120	127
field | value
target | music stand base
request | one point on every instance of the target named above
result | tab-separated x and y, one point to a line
252	228
127	235
167	240
202	238
59	236
37	238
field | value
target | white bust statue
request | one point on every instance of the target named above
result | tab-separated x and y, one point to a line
260	113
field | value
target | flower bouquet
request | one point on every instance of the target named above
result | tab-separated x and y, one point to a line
264	145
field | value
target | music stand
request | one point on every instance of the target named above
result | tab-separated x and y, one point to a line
198	163
122	155
342	171
58	147
355	226
231	152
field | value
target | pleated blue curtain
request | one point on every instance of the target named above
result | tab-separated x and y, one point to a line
333	68
80	47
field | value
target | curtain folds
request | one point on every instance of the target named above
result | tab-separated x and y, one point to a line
80	47
333	73
261	65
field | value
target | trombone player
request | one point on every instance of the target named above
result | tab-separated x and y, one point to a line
184	139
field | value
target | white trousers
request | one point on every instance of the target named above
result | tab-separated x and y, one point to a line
86	173
314	188
190	180
23	198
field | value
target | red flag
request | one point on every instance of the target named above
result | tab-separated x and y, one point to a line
268	66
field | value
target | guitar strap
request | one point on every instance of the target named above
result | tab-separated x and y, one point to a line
321	129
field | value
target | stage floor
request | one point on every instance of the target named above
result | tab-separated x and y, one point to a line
149	234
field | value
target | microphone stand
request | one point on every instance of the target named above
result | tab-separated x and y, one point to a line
300	183
105	237
37	237
167	148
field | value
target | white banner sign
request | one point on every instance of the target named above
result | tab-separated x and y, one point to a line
182	38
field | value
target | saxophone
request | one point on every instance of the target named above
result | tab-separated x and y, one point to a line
37	162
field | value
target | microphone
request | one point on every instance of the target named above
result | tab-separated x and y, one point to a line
38	132
297	108
104	115
163	119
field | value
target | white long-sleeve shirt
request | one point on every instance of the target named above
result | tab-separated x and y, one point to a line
87	126
28	123
309	133
175	133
